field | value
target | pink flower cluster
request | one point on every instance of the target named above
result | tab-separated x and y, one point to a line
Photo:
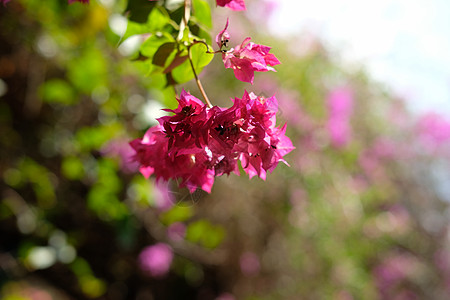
246	58
232	4
433	130
198	143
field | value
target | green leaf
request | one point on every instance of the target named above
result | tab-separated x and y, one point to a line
139	10
156	21
200	59
163	52
169	80
201	34
169	97
176	14
202	12
152	44
134	28
185	38
178	60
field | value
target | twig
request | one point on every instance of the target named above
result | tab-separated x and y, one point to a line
199	84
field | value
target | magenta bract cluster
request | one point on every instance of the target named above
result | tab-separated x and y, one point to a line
198	143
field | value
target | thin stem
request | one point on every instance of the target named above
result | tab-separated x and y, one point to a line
207	47
184	24
199	84
187	11
185	20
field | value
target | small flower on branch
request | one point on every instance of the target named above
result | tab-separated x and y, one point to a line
246	58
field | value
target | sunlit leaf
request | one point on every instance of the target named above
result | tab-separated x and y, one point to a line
153	43
169	99
138	10
177	60
201	34
155	23
200	58
157	19
202	12
134	28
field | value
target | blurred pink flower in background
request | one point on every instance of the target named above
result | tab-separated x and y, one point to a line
399	219
262	9
385	148
156	260
340	108
373	160
344	295
292	112
442	262
226	296
390	274
163	196
433	130
121	149
249	263
176	231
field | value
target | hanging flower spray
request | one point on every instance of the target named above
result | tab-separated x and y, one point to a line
201	141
